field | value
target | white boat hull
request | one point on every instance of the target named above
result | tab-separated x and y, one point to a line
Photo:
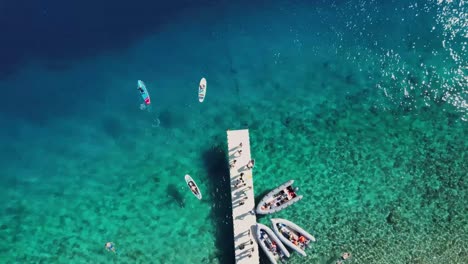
272	237
293	228
261	209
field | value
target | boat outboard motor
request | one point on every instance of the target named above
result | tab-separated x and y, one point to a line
281	255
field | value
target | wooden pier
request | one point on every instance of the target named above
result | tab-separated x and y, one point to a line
242	197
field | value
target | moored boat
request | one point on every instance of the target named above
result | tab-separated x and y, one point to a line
278	199
292	235
271	244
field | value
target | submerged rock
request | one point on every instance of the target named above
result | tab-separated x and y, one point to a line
393	218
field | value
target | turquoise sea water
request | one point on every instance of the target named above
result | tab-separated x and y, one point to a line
363	103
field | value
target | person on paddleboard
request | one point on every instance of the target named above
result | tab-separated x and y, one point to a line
202	87
192	187
144	95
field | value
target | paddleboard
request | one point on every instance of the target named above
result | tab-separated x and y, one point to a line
191	182
202	90
143	92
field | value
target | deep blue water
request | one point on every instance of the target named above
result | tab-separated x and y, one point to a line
58	33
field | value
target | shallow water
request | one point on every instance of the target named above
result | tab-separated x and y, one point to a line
362	103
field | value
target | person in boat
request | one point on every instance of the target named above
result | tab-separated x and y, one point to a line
295	242
266	206
290	193
251	164
273	246
302	239
282	228
279	198
192	186
141	89
293	237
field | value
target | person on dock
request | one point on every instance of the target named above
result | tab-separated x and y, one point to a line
242	193
238	182
233	164
250	242
240	177
251	164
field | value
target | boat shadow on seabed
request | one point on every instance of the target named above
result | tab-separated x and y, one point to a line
175	194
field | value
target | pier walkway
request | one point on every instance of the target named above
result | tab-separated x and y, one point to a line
242	196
